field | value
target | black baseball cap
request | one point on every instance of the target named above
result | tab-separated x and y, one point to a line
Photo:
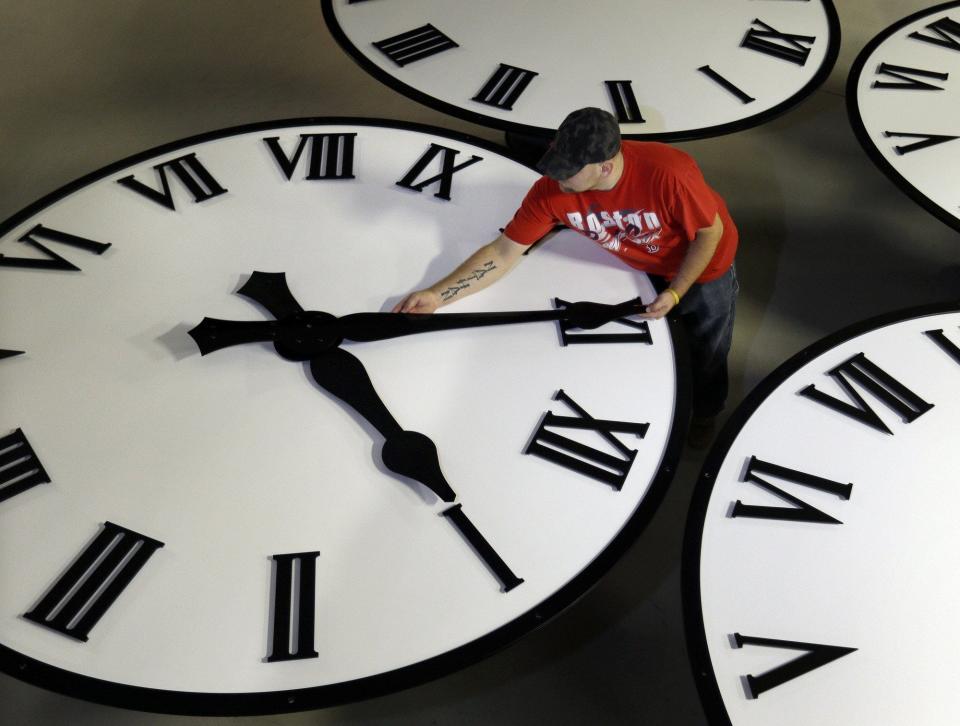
586	136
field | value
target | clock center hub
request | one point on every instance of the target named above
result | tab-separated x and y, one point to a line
305	335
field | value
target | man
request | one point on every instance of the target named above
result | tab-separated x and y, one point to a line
649	205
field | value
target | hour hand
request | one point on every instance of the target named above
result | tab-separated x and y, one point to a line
408	453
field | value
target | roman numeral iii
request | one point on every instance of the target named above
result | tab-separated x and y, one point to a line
93	583
578	457
294	599
193	175
20	469
414	45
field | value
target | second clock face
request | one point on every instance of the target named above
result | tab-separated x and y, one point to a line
218	534
667	69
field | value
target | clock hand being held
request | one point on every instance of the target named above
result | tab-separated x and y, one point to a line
408	453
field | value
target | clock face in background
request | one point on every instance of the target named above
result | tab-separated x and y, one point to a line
820	563
217	534
668	70
902	96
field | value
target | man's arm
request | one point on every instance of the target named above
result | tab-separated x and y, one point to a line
484	267
699	254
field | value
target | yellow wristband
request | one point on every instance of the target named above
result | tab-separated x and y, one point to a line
676	296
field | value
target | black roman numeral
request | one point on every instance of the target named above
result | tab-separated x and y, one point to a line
878	382
948	346
483	548
505	86
568	338
909	78
331	155
447	169
786	46
624	102
192	174
549	445
53	260
927	140
20	469
9	353
947	33
800	511
294	599
725	84
815	656
91	585
414	45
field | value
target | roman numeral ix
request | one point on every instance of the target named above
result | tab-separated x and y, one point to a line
93	583
786	46
53	261
881	384
294	599
199	182
583	459
447	170
20	469
800	511
815	656
331	155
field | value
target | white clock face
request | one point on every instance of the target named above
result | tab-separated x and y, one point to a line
903	94
821	556
667	69
220	529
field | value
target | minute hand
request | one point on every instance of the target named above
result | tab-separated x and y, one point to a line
366	327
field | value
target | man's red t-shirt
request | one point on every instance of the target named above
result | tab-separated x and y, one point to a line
648	219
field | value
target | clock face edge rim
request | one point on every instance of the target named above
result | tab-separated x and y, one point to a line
143	698
513	127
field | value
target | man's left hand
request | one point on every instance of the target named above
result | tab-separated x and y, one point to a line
662	304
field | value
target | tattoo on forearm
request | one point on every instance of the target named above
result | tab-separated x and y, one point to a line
464	282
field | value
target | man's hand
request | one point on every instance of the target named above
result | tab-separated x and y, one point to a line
421	301
662	304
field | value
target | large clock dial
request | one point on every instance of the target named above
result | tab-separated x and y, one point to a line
298	518
902	96
666	69
820	559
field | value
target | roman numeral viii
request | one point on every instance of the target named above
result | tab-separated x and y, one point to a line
447	170
800	511
20	469
199	182
53	261
815	656
874	379
294	598
583	459
91	585
331	155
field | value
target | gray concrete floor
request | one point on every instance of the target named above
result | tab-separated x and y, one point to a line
826	240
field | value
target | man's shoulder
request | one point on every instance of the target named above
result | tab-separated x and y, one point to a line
655	156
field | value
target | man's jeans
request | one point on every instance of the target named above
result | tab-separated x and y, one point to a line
707	312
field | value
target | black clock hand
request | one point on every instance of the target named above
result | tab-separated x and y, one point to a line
365	327
408	453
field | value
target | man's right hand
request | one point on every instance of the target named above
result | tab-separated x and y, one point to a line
421	301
